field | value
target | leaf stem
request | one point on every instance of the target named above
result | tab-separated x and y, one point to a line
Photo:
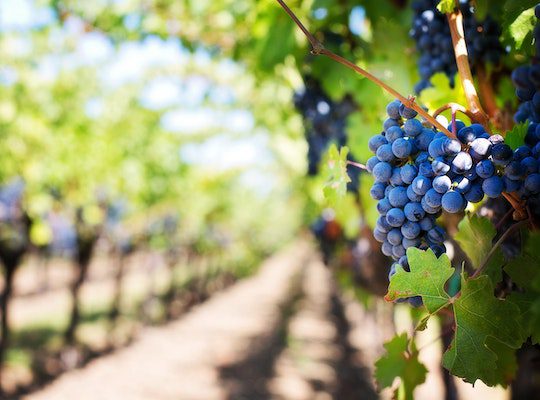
496	246
357	165
455	21
318	49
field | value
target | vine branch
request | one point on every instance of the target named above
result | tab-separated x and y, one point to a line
455	21
318	49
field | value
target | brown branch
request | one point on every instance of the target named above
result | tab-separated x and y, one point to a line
455	20
487	94
318	48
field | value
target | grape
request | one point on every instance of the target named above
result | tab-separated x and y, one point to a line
408	173
386	249
475	193
493	186
407	113
413	127
384	153
501	154
439	166
401	148
382	172
395	237
371	162
485	169
411	194
436	234
433	198
377	191
442	184
383	206
532	183
410	230
395	217
466	135
379	235
426	223
414	212
392	109
376	141
480	148
462	162
453	202
398	196
395	179
421	184
393	133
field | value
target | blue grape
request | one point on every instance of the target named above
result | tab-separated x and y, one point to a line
442	184
433	198
402	148
475	194
453	202
395	217
384	153
395	237
493	186
376	141
382	172
398	196
414	212
410	230
485	169
408	173
421	185
377	191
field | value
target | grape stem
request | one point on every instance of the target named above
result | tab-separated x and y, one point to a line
319	49
455	21
357	165
454	107
496	246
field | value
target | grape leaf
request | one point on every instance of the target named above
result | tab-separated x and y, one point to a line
516	137
400	362
335	187
446	6
524	269
485	328
427	278
475	236
525	273
529	305
520	28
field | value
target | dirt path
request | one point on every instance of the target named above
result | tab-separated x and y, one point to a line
182	360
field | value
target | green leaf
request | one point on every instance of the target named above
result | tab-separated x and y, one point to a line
524	269
516	137
400	362
525	273
446	6
335	187
427	277
520	28
484	325
475	236
529	306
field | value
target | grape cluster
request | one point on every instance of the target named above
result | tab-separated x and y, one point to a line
526	79
325	123
420	172
431	32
